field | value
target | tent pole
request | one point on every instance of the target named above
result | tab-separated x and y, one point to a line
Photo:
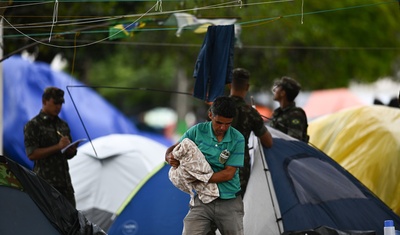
270	185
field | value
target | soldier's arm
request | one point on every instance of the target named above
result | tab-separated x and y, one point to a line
266	139
31	141
40	153
259	129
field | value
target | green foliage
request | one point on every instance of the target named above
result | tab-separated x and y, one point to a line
334	44
124	79
323	44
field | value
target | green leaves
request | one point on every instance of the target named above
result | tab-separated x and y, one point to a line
322	44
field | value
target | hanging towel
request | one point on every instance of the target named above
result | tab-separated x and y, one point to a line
213	68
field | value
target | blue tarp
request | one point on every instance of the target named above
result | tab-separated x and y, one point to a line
23	85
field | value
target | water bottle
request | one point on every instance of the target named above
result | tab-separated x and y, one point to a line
389	228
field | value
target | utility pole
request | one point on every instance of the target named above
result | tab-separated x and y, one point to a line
3	5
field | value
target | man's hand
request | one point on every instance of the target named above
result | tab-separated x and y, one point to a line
72	150
64	141
172	161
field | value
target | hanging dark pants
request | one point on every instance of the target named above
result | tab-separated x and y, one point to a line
214	64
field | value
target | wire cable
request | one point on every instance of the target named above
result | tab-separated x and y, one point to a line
111	87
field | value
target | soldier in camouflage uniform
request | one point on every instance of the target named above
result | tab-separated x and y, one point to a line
45	136
247	120
288	118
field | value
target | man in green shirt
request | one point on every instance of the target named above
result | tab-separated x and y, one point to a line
213	139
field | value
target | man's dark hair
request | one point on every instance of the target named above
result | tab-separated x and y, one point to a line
240	78
290	86
53	92
223	106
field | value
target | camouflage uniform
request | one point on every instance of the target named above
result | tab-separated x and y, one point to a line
247	120
40	132
7	178
292	121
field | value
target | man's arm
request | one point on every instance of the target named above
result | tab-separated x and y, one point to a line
260	130
266	139
225	175
40	153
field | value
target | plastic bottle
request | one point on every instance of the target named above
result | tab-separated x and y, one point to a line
389	228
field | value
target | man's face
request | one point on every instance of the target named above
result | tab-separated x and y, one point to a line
220	124
51	108
278	92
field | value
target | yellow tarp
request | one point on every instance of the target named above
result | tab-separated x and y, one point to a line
366	142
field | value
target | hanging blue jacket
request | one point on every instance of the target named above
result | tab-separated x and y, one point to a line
213	68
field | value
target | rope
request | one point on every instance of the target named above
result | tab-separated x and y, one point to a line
113	87
55	14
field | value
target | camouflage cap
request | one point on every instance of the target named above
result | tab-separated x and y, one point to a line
53	92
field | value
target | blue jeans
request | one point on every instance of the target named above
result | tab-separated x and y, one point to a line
227	214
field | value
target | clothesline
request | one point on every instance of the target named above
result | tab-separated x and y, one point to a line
102	20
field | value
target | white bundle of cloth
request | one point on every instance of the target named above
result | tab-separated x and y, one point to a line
193	173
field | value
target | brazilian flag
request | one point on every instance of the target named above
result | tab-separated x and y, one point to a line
124	30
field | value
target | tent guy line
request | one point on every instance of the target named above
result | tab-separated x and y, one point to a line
83	124
111	87
130	88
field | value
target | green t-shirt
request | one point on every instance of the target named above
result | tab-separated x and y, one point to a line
203	135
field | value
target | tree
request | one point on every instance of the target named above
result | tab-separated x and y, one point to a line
321	44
